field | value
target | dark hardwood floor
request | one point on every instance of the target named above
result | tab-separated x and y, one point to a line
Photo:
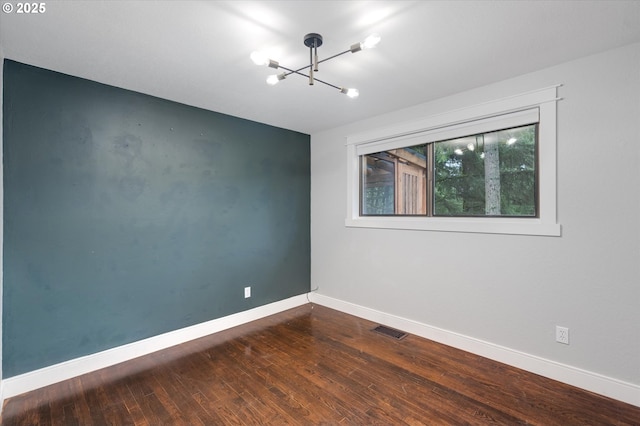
311	366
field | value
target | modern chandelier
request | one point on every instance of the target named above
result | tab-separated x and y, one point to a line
313	41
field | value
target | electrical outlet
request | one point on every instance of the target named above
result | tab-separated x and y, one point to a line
562	335
247	292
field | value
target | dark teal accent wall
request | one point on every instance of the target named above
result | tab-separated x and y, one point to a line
127	216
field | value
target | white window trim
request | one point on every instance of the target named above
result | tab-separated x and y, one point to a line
546	224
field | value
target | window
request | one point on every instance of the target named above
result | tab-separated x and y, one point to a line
488	168
486	174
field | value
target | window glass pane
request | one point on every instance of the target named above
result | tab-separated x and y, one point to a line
394	182
378	184
489	174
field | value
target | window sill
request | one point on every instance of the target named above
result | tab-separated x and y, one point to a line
447	224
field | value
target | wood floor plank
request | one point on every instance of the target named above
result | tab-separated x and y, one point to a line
177	407
111	401
253	388
313	366
68	416
310	385
154	413
133	409
220	409
64	408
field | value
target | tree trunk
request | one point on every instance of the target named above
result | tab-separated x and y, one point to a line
492	179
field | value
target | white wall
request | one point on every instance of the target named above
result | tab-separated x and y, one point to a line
504	289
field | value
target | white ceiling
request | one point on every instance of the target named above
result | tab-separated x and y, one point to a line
197	52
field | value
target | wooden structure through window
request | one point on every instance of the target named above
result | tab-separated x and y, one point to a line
406	171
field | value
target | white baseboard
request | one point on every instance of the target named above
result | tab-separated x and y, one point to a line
597	383
32	380
593	382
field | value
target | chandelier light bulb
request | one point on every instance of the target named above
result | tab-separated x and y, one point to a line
471	147
371	41
458	151
351	92
274	79
511	141
259	58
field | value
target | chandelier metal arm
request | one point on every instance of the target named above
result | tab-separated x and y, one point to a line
328	84
305	75
334	56
309	66
294	71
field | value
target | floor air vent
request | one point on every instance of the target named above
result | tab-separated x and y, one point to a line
391	332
